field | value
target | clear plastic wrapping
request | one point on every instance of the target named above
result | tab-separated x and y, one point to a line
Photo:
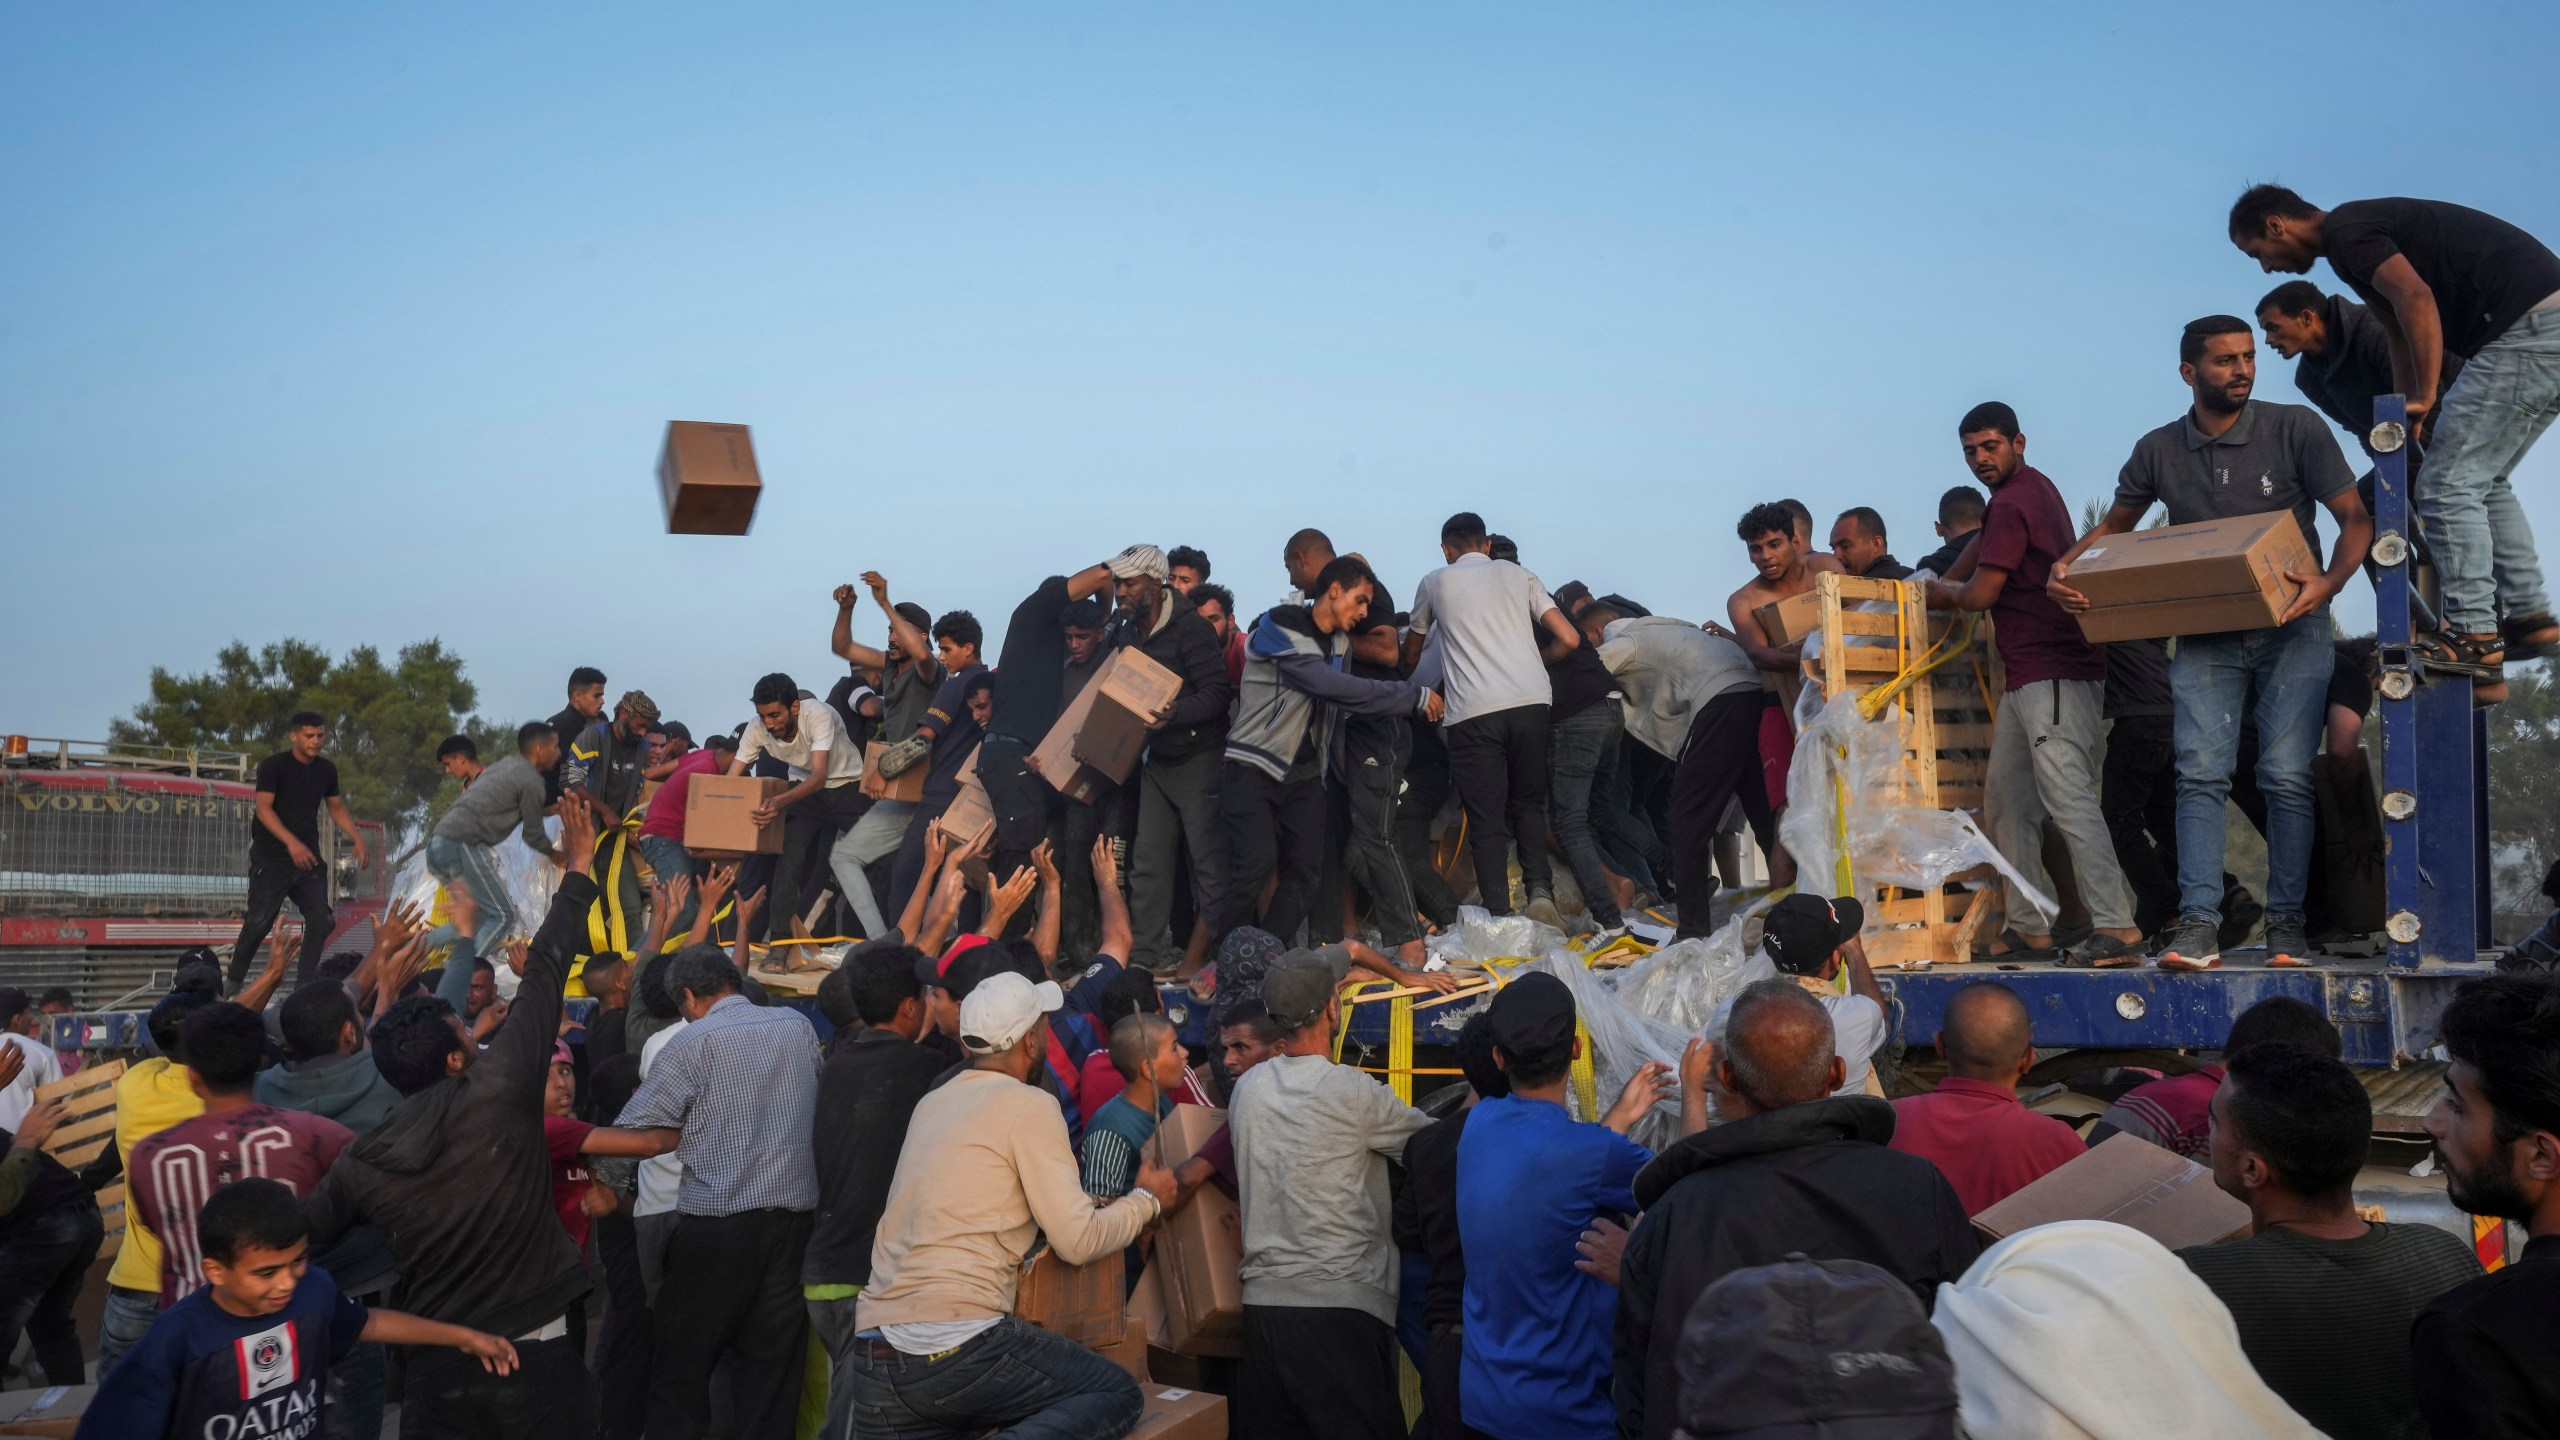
1891	839
1480	935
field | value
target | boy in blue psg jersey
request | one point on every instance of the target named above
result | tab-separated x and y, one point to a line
249	1354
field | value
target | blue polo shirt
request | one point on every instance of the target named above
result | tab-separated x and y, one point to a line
1538	1331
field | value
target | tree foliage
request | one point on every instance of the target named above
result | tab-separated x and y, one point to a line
2524	756
385	720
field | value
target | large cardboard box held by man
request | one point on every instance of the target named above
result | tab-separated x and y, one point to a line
718	816
906	785
1079	1302
1098	737
707	478
2199	579
1200	1250
2132	1182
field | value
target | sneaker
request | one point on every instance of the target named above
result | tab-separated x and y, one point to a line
1606	936
2288	944
2103	952
2191	946
1542	908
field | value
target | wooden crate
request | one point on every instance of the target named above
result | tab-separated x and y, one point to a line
1948	756
88	1127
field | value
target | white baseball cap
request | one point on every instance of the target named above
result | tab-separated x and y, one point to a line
1002	1008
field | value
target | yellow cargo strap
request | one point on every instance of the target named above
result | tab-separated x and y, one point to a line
607	927
1586	1081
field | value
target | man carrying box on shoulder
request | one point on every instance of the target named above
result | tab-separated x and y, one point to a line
2230	455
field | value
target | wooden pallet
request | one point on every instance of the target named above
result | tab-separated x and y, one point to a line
88	1127
1948	757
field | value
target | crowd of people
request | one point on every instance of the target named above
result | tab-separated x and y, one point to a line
781	1222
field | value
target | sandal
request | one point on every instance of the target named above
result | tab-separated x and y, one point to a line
2019	949
2103	952
2529	637
2479	656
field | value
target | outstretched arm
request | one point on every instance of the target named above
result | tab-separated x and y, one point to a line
850	650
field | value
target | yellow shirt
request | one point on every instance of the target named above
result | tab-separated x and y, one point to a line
150	1097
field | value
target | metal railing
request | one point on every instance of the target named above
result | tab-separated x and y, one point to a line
39	752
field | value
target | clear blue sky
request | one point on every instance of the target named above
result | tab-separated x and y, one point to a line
361	322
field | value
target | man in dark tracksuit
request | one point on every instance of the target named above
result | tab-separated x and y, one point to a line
1030	682
1178	784
1285	736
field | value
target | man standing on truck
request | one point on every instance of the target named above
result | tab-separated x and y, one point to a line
284	847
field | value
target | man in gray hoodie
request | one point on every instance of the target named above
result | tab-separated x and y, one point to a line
1286	736
1312	1142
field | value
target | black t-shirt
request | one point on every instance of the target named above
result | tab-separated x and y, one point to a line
299	788
1578	681
2485	272
2138	679
1030	672
2485	1355
2349	685
1431	1183
2326	1322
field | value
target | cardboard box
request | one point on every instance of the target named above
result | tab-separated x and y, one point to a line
907	786
2132	1182
1079	1302
2198	579
1200	1248
1176	1414
1055	756
1788	621
1129	1352
56	1410
707	478
1129	695
970	816
716	811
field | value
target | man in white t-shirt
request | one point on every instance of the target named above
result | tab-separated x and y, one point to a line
1814	939
821	806
19	1020
1499	630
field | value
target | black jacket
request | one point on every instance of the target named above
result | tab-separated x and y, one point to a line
1812	1178
459	1177
1187	646
2343	379
867	1092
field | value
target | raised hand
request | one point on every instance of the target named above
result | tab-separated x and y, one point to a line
578	838
716	885
1045	860
1106	864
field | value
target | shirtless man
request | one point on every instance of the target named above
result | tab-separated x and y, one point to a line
1781	548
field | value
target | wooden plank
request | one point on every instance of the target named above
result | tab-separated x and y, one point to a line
1962	734
1863	660
1857	588
71	1089
1959	797
1905	945
1867	622
1963	771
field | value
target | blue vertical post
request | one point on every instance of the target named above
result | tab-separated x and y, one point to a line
2433	794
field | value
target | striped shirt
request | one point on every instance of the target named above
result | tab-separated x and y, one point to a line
742	1084
1113	1143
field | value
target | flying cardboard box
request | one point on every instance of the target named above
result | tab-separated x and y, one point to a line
1200	1250
970	815
56	1410
2132	1182
718	822
2199	579
1097	738
707	478
907	785
1174	1414
1079	1302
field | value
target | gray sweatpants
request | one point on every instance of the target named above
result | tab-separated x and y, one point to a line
2047	753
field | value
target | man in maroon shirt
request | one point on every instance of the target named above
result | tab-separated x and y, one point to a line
1972	1126
2046	748
171	1174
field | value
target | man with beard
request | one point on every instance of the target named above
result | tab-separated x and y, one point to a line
2485	1356
2231	455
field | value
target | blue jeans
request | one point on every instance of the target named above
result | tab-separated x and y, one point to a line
475	868
2211	677
1017	1378
667	859
1582	761
2503	400
127	1319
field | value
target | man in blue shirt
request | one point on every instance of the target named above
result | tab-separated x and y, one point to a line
1530	1180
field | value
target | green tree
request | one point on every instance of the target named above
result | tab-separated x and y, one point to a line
385	720
2524	755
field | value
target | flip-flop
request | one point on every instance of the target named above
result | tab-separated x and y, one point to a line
2019	949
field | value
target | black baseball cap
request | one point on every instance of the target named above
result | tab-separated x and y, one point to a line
1802	930
1835	1349
677	730
1531	1018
